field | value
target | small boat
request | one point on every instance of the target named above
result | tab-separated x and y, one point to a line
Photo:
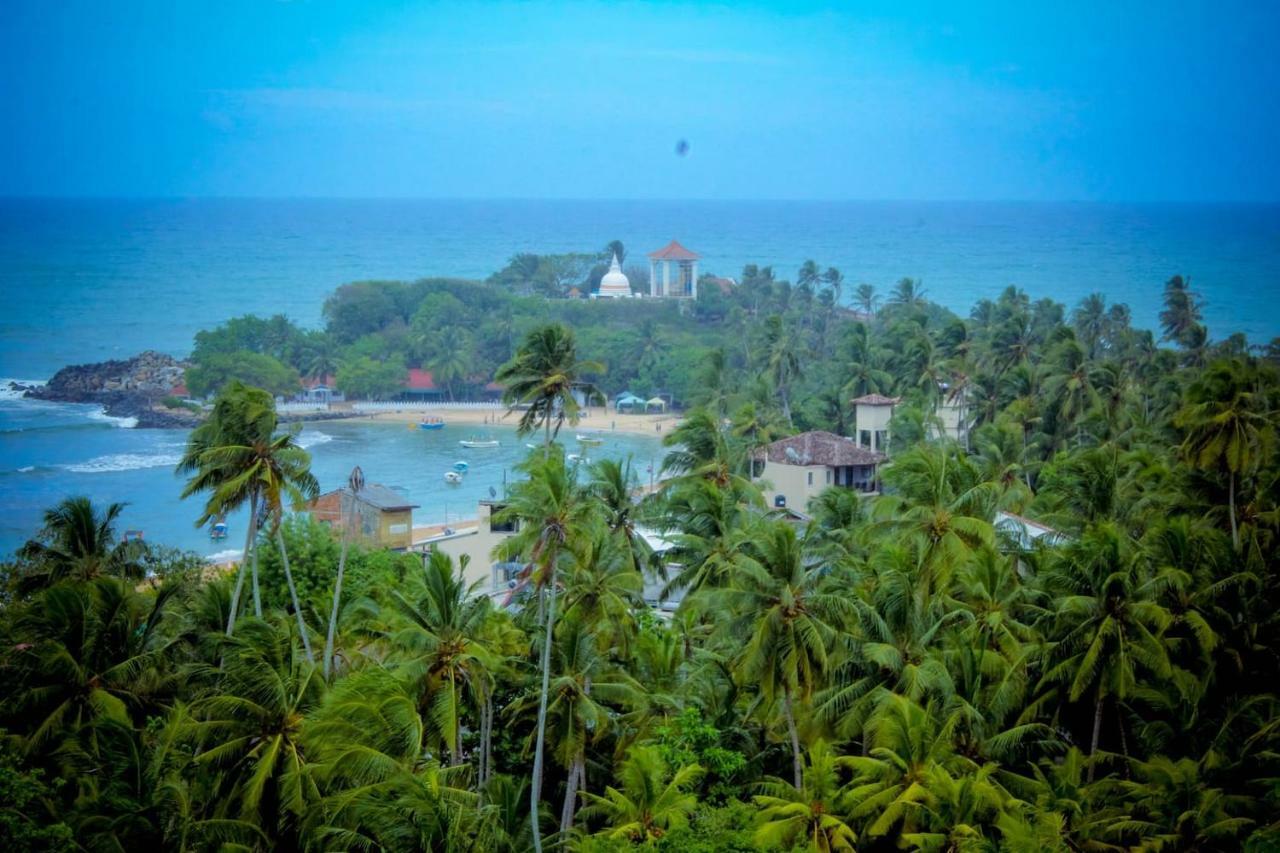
575	457
218	531
589	439
479	442
461	466
531	445
431	423
453	478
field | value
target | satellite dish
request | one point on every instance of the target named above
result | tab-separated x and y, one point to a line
792	454
493	493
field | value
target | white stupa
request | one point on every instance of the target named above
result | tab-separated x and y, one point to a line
614	285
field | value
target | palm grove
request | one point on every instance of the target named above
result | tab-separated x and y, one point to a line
899	672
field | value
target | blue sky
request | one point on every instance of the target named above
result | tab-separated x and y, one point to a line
1121	101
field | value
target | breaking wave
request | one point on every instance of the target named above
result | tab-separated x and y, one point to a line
123	462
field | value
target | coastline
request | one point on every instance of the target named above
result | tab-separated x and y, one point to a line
596	419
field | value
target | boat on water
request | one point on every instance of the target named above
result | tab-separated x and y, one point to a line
218	530
479	442
431	423
589	439
453	478
576	457
460	466
531	445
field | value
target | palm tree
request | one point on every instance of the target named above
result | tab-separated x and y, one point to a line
450	353
444	642
811	810
782	360
789	620
85	653
1109	619
1229	426
907	293
355	485
250	725
651	800
1090	320
551	507
1181	314
546	377
866	298
241	416
78	543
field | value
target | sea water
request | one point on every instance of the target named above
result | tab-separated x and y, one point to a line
53	450
88	280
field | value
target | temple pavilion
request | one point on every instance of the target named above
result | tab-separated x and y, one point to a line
679	278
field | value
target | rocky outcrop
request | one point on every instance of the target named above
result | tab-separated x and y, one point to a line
125	389
151	374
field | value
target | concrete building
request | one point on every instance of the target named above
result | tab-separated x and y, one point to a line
872	414
375	514
794	470
952	413
679	278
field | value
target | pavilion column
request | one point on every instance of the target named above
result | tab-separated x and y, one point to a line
653	277
693	284
666	278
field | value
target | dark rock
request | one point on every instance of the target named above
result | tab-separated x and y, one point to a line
125	389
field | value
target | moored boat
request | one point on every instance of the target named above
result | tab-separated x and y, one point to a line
453	478
431	423
460	466
589	439
479	442
218	530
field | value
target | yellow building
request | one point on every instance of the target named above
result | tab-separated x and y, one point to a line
792	471
375	514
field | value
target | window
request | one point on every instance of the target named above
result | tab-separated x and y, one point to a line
864	438
511	525
828	476
810	478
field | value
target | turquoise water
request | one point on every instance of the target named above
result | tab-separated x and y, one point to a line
53	450
95	279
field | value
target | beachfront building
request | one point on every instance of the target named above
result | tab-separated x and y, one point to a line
614	285
421	387
679	279
321	390
872	414
792	471
376	514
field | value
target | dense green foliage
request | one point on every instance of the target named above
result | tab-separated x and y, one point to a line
901	671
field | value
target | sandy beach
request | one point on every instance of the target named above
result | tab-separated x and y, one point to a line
596	419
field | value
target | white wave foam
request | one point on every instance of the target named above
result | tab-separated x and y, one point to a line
123	462
7	393
123	423
224	556
26	469
311	438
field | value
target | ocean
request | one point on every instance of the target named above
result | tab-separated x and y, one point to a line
88	280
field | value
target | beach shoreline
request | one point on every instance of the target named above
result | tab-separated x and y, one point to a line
597	419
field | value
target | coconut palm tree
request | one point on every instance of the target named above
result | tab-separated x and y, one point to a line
1229	426
1181	315
346	514
547	377
450	354
866	298
77	542
248	728
443	646
781	606
614	484
551	508
782	360
241	417
809	812
650	801
1108	621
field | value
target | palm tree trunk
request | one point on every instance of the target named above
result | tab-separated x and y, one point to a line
486	736
235	596
535	790
797	762
250	538
570	795
1097	730
337	594
253	531
1231	508
293	594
